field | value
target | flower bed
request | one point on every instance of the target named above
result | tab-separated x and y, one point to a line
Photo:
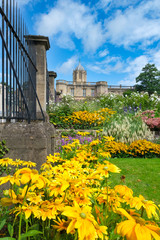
149	117
138	148
83	119
71	198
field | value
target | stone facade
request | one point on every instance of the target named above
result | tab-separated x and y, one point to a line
79	88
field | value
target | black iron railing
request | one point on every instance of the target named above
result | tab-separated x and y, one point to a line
18	98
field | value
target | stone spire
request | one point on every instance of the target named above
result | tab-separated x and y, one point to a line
79	74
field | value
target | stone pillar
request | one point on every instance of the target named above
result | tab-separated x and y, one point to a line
61	88
38	45
52	76
102	88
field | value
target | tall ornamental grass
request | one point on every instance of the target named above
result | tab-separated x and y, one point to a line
127	128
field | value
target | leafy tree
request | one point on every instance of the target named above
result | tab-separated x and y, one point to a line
149	79
128	92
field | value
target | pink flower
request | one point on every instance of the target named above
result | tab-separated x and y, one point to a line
153	123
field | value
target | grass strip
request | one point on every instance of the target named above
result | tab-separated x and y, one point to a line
142	175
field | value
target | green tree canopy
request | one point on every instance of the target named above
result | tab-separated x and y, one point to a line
149	79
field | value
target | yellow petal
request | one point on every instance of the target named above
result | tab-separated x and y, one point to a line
71	226
27	213
25	178
124	213
155	235
6	201
142	233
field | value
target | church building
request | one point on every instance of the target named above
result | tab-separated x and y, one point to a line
79	88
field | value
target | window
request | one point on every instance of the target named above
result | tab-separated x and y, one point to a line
92	92
72	91
84	92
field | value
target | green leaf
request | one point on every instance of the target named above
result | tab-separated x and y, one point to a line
34	227
2	223
30	233
7	238
10	229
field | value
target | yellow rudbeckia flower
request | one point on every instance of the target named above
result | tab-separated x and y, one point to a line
82	220
136	228
149	206
6	161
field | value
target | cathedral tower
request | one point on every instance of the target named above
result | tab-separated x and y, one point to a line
79	74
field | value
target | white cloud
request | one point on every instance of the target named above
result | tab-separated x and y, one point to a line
64	41
103	53
70	19
156	58
136	65
68	66
140	23
127	82
133	69
108	65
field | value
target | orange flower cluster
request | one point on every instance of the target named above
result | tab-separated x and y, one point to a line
144	148
87	120
116	149
138	148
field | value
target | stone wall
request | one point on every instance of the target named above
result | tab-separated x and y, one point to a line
25	141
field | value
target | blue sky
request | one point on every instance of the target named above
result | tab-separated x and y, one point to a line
114	39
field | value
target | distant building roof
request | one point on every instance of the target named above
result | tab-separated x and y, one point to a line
79	67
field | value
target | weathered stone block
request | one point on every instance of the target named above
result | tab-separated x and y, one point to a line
28	141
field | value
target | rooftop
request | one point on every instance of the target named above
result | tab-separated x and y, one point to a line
80	67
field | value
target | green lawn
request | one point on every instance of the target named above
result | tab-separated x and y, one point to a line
141	175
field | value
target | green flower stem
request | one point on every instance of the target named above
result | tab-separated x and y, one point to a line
65	195
26	225
43	227
107	196
27	228
76	235
49	225
14	223
21	215
142	211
